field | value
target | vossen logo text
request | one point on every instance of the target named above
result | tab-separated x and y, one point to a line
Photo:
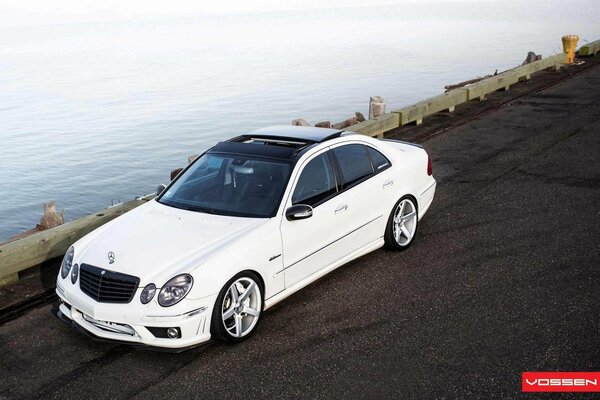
560	382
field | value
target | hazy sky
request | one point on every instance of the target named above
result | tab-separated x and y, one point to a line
35	12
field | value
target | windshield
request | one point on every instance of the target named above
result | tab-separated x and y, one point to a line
229	184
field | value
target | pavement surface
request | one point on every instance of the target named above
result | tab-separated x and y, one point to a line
503	278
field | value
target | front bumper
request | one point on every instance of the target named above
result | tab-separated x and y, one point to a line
114	322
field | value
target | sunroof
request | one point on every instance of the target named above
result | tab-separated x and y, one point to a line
284	142
272	142
235	147
289	133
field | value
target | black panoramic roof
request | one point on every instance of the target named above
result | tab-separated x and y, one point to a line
278	142
255	149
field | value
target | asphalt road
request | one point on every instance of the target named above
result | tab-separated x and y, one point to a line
503	278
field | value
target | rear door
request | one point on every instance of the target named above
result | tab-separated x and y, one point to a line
312	244
365	177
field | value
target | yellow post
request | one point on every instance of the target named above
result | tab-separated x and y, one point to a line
569	45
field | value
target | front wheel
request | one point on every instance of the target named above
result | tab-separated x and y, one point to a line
401	228
238	307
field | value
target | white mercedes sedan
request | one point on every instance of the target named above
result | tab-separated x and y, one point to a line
249	222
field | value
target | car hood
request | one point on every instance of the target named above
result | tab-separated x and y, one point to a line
154	241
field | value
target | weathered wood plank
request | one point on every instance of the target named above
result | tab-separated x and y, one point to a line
41	246
445	101
589	49
8	279
545	63
377	126
504	80
377	106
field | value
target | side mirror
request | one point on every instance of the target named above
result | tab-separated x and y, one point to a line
160	188
299	211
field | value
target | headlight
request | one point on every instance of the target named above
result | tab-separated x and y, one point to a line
74	273
148	293
175	290
67	262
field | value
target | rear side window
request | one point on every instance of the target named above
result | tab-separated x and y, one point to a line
354	163
316	182
380	162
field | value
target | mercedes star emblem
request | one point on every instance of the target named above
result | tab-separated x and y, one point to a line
111	257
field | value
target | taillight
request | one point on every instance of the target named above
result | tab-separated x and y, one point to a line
429	170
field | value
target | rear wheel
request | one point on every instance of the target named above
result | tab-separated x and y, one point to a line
402	224
238	308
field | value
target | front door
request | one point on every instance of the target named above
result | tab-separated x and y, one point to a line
312	244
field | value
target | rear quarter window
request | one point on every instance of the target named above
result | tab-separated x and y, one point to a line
380	162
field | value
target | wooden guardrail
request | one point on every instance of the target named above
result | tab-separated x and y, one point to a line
449	100
552	62
479	90
416	112
376	126
41	246
589	49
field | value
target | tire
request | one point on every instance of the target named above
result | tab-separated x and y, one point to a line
235	323
399	235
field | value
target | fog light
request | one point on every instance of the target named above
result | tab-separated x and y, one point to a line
173	333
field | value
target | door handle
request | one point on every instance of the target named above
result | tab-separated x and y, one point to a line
388	183
341	208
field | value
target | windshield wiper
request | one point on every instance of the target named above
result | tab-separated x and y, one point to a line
207	210
173	204
189	207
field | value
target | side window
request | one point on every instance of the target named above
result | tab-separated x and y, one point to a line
354	163
380	162
316	182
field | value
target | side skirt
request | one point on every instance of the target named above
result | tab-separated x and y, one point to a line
307	281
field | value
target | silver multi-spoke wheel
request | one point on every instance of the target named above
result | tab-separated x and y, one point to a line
241	307
404	223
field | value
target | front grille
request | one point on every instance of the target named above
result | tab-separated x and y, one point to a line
107	286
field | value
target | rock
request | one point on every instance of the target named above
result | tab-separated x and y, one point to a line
175	172
300	122
346	123
324	124
360	116
51	218
531	57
